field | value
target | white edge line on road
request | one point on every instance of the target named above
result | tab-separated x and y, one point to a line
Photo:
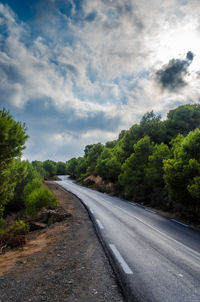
132	204
121	261
91	211
99	224
150	226
163	234
186	225
151	211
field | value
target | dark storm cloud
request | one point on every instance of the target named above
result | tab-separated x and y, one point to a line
190	56
171	76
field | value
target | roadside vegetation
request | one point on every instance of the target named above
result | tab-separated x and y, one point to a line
22	192
156	162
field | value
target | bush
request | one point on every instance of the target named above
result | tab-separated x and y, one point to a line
35	184
2	223
39	198
19	228
15	235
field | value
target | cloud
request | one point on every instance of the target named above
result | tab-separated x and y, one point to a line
80	71
190	56
172	76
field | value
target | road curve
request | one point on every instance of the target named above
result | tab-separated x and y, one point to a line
155	258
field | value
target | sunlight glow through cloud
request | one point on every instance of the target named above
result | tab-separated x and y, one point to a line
84	70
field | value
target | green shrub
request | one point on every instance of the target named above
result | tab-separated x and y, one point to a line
2	223
19	228
40	198
35	184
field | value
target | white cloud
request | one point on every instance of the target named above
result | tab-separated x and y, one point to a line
101	67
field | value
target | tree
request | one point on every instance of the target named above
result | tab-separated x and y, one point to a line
22	173
61	168
76	167
132	177
182	172
154	176
87	149
71	167
111	144
39	167
12	142
153	127
150	125
50	167
12	138
182	120
108	166
154	171
129	138
81	168
92	156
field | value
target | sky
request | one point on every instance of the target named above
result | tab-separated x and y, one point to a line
77	72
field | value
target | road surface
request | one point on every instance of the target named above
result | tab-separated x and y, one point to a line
155	258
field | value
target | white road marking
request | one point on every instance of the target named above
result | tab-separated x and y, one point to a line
186	225
99	224
151	211
180	275
121	261
197	254
163	234
131	203
91	211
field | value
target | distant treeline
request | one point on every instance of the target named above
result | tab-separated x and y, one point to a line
156	161
49	168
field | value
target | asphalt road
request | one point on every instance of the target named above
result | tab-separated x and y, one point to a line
155	258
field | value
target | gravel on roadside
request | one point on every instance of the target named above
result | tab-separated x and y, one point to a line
70	267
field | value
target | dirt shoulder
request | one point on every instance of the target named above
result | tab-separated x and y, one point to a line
64	262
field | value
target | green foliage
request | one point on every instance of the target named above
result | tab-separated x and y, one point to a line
61	168
134	169
2	224
12	139
19	228
39	198
71	167
31	186
194	189
76	167
154	170
108	167
50	167
111	144
81	168
7	188
152	126
38	165
22	173
182	172
128	140
92	157
157	160
182	120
